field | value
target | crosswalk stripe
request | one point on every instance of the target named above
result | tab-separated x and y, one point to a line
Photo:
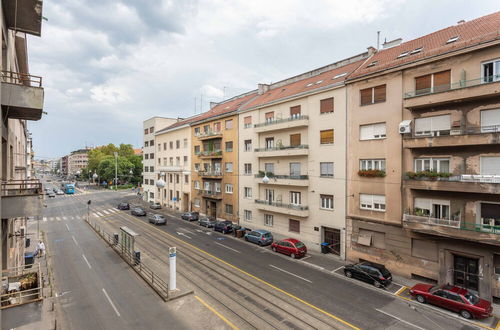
64	218
100	214
111	210
71	217
58	219
51	219
106	212
44	218
95	215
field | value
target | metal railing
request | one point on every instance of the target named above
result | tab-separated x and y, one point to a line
290	177
453	86
211	194
20	297
279	121
208	134
210	153
21	187
431	221
283	205
147	274
481	228
209	173
21	79
458	130
473	178
300	146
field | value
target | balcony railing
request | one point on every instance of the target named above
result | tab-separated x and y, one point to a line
209	134
283	205
301	146
279	121
481	228
459	130
453	86
211	153
431	221
290	177
209	173
21	188
476	178
21	79
210	194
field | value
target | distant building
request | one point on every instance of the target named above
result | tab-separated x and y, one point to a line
77	161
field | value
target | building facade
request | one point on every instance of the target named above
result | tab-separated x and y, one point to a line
77	161
423	157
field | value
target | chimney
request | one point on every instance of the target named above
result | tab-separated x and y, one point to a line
462	21
392	43
213	104
371	50
263	88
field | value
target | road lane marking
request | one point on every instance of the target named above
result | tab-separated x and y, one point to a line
95	215
44	218
216	313
400	290
312	265
111	303
111	210
106	212
399	319
67	227
187	231
182	234
100	214
88	263
74	239
227	247
58	219
71	217
64	218
306	257
285	271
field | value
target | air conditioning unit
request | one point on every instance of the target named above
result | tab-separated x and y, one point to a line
405	127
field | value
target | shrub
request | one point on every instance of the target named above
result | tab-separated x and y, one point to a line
372	173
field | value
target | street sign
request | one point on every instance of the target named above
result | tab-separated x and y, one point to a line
172	252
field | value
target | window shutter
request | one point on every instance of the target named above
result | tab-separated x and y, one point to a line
294	140
365	199
379	94
423	84
440	123
366	96
270	115
422	203
365	132
295	110
248	120
422	126
379	199
442	80
490	118
294	226
326	136
490	165
379	130
326	105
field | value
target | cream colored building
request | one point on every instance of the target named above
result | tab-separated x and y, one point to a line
77	161
293	155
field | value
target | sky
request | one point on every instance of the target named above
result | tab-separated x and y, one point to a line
107	65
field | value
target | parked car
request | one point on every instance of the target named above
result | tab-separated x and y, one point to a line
60	192
123	206
157	219
224	227
208	222
453	298
290	246
191	216
138	211
369	272
259	236
55	190
51	195
155	206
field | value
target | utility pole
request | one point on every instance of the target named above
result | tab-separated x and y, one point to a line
116	170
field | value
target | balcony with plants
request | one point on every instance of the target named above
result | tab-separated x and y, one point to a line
281	150
286	180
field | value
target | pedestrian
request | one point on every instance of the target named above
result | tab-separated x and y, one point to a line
41	248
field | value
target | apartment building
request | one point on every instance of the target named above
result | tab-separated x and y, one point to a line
173	165
77	161
424	157
21	97
215	167
292	158
150	126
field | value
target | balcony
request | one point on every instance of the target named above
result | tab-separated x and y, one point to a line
21	198
464	90
481	184
24	16
282	151
209	135
284	180
282	124
278	207
210	154
453	228
170	168
23	95
455	137
210	174
210	194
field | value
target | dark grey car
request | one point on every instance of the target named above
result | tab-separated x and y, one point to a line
191	216
157	219
208	222
139	211
155	206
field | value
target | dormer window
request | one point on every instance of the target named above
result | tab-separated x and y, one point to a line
452	39
372	64
416	50
402	54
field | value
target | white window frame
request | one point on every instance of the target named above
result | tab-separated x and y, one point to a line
247	192
217	186
229	167
326	175
431	161
372	164
206	186
229	188
268	220
373	202
326	203
375	128
247	215
197	202
197	185
295	198
247	146
496	68
248	168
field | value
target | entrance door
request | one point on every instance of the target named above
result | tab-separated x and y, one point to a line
332	237
185	202
465	272
212	209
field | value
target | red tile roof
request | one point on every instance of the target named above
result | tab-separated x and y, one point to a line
179	123
477	31
227	106
320	81
137	151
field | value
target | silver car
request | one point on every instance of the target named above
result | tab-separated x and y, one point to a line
208	222
155	206
157	219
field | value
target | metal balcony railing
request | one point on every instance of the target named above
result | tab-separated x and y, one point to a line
279	121
21	79
475	178
290	177
301	146
431	221
458	130
453	86
283	205
21	187
209	173
211	194
210	153
208	134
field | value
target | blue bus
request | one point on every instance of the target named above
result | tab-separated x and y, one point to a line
69	188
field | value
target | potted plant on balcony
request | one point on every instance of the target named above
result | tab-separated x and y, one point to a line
372	173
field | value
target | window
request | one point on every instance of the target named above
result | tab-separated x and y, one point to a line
269	195
294	140
248	192
151	129
326	202
171	161
372	164
217	187
159	161
197	167
433	126
440	165
185	160
159	146
171	145
491	71
434	82
436	208
185	143
170	178
196	150
146	143
295	111
151	156
151	182
177	144
247	215
229	209
206	186
489	165
247	122
269	117
326	105
177	161
248	169
268	220
229	124
295	169
197	202
146	131
294	226
146	156
269	143
196	131
229	167
151	169
326	136
146	169
373	95
186	178
206	128
248	145
269	168
177	178
151	143
295	198
229	146
217	127
372	131
490	121
326	169
372	202
229	188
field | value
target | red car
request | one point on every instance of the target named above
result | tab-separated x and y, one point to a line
290	246
453	298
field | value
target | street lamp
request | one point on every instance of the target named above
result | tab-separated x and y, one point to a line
95	176
116	169
160	183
